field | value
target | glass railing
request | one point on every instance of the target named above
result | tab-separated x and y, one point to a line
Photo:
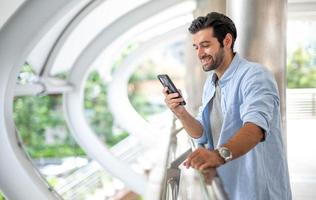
185	184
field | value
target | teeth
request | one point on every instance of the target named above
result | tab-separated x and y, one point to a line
204	60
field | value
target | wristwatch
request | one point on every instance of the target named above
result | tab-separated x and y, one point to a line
225	153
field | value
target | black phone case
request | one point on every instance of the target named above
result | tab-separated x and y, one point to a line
166	82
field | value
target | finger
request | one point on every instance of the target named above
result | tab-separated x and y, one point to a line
192	156
205	171
199	159
176	100
165	91
205	166
172	96
173	102
197	162
197	165
173	105
186	164
210	171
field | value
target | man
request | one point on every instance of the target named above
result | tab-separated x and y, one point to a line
239	120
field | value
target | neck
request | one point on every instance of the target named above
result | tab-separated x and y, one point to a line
225	64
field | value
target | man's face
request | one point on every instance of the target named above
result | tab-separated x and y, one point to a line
208	49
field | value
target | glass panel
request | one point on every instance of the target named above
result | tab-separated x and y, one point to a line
98	113
124	147
53	151
188	184
301	54
145	91
301	107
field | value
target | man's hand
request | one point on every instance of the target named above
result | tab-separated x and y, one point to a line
209	174
190	124
173	102
202	159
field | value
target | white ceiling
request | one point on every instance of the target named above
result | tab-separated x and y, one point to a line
7	7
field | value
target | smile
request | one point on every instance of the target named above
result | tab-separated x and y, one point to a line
206	59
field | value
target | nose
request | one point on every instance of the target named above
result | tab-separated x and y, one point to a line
200	52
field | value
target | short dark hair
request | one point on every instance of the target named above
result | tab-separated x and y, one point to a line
220	23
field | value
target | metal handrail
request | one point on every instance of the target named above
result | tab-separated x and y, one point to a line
173	175
212	185
170	184
210	182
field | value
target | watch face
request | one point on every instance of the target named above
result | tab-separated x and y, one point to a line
225	153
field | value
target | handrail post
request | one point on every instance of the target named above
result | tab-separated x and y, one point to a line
173	175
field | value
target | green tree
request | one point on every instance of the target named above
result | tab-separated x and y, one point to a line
301	73
97	111
33	116
139	99
1	196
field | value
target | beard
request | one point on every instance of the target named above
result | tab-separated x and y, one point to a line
215	61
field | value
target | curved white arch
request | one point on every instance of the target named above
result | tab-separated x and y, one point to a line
50	43
7	9
73	101
87	23
49	63
117	91
19	179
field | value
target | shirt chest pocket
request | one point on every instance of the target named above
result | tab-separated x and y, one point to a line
232	121
230	103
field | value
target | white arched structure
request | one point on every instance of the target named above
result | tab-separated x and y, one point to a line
19	179
19	38
13	57
74	100
117	92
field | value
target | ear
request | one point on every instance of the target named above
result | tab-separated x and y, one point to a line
228	40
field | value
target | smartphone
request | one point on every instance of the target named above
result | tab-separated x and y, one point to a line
166	82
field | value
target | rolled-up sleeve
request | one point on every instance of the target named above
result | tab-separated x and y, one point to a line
260	98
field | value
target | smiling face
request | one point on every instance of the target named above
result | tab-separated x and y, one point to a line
208	49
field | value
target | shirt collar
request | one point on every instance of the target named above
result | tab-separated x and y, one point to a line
214	78
228	74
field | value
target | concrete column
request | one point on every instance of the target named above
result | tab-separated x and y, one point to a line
261	30
195	76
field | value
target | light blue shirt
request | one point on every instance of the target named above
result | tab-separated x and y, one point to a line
249	94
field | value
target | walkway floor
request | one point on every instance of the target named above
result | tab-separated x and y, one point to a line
301	143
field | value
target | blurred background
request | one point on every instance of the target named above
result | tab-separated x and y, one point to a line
86	108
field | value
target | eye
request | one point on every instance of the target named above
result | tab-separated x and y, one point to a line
205	45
